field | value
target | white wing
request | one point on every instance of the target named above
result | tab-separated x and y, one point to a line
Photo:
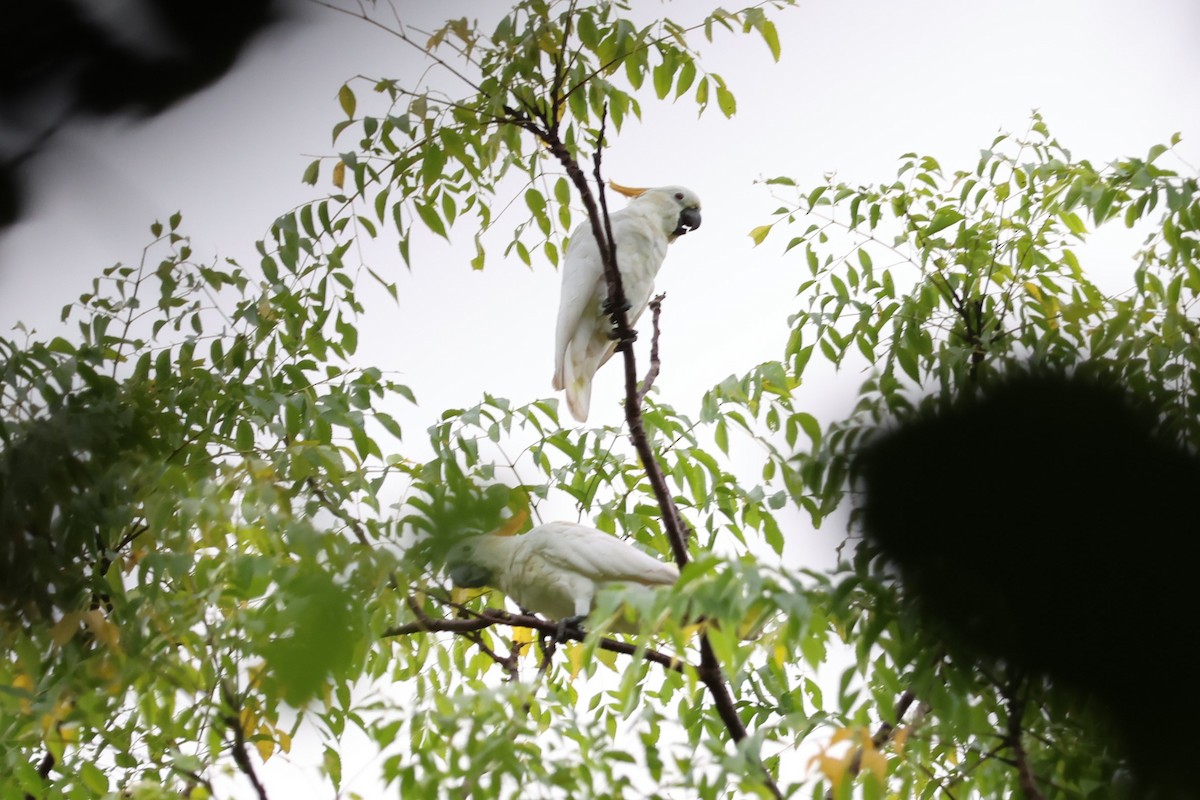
582	279
641	250
597	556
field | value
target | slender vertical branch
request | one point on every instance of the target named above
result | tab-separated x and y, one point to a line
883	734
233	721
672	524
43	770
652	373
1016	711
353	524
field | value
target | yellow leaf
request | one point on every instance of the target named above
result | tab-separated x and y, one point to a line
833	767
266	748
255	673
759	234
51	722
285	741
843	734
64	630
69	731
105	632
521	639
873	761
131	561
24	683
781	655
898	740
461	595
248	720
339	174
1034	291
575	658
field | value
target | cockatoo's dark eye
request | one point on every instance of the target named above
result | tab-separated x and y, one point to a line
679	195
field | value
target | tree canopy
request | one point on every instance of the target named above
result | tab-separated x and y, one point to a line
217	537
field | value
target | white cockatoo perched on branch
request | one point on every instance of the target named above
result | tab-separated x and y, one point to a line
556	569
641	231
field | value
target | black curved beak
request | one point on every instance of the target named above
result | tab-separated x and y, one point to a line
470	576
689	220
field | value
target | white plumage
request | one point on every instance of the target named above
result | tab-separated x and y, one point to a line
556	569
641	231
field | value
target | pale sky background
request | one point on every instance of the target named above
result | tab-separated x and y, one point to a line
858	84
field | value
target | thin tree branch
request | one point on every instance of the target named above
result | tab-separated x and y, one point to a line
233	722
332	508
617	303
402	36
43	770
652	373
494	616
1016	710
560	67
507	663
883	734
197	779
942	787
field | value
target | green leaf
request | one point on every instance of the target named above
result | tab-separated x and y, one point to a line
944	218
908	362
771	37
726	101
562	191
60	345
93	778
245	436
312	173
429	216
759	234
808	423
347	100
687	74
664	76
1074	223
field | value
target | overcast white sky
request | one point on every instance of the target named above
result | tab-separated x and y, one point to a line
859	83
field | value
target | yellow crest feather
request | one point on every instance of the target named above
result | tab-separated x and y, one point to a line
628	191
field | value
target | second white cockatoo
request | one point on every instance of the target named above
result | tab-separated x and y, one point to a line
555	569
641	232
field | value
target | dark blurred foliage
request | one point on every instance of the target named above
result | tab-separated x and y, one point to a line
59	58
1041	528
65	495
